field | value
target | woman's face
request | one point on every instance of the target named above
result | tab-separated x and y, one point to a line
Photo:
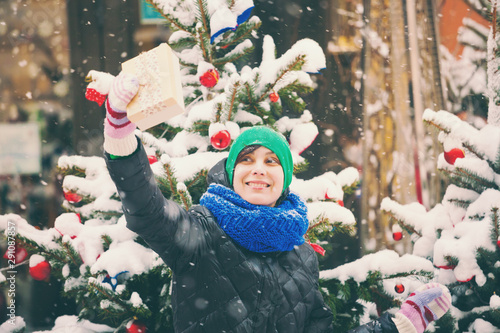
258	177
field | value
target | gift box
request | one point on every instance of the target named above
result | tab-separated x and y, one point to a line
160	92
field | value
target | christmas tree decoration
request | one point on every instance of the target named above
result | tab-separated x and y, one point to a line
242	9
152	159
221	21
274	97
98	87
318	249
72	197
210	78
221	140
113	281
94	96
399	288
397	232
39	268
19	255
136	326
452	155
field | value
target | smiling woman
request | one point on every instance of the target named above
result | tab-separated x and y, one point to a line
258	176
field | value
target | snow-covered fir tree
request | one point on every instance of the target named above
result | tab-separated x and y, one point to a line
119	283
461	235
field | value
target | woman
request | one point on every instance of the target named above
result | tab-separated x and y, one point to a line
238	259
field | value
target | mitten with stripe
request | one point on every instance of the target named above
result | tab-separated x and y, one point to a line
428	303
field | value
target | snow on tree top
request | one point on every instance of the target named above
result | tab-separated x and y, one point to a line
126	256
386	261
331	211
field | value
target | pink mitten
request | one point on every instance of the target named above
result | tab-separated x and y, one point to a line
119	138
123	89
428	303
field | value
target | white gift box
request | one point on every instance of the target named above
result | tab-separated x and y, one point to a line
160	92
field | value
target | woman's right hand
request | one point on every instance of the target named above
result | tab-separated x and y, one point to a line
120	90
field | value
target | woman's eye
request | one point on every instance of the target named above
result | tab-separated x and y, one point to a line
272	160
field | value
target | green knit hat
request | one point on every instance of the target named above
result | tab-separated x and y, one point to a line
272	140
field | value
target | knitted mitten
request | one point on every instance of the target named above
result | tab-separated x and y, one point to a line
119	138
428	303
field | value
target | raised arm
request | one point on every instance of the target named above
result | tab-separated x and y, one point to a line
176	235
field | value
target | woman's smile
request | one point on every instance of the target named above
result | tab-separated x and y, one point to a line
258	177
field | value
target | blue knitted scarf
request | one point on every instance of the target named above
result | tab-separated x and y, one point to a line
255	227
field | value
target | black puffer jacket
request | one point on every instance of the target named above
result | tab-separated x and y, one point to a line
219	286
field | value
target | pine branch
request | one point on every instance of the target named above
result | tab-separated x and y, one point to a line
495	218
170	178
201	6
173	22
184	196
403	225
233	57
476	178
243	32
73	255
74	171
203	46
296	64
232	98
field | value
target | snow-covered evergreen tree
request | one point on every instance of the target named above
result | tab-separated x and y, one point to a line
118	283
461	235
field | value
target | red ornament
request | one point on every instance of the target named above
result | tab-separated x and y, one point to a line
274	97
498	243
221	140
72	197
317	248
40	271
17	256
397	232
452	155
136	327
210	78
152	159
399	288
447	267
94	96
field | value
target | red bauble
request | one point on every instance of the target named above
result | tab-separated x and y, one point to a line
19	254
452	155
40	271
397	236
274	97
152	159
399	288
72	197
498	243
210	78
221	140
136	327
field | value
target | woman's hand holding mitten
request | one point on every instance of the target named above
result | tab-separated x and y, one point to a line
428	303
